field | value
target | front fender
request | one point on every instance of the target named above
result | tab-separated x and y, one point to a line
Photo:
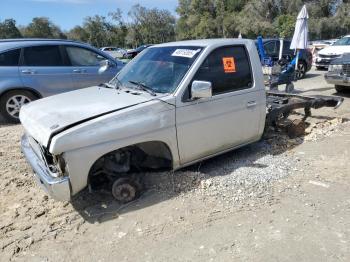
83	145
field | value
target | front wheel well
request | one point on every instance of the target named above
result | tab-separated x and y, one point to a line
34	92
130	160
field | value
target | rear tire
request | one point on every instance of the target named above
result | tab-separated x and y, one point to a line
341	89
11	103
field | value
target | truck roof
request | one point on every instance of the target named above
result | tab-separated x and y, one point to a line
207	42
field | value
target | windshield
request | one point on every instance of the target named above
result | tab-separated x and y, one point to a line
160	69
343	41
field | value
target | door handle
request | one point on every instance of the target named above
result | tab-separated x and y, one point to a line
79	71
28	72
251	104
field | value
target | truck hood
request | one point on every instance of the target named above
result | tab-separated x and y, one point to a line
46	117
335	50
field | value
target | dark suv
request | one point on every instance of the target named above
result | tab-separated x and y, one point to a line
272	48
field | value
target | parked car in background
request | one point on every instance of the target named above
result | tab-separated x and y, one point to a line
115	52
339	73
272	49
36	68
134	52
317	46
326	55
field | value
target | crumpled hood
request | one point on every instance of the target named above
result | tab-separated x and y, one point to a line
45	117
335	50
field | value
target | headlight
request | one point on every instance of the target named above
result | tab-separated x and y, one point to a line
335	68
60	165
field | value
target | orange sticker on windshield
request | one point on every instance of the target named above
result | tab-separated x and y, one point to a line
229	64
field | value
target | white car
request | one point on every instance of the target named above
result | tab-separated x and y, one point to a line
326	55
115	52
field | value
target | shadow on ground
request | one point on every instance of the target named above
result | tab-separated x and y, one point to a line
310	75
345	93
101	207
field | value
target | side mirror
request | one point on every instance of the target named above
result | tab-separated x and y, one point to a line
105	65
201	89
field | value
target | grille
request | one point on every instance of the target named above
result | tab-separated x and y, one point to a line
346	70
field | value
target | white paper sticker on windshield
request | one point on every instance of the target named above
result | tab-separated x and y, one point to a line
189	53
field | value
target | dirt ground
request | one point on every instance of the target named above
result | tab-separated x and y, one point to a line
277	200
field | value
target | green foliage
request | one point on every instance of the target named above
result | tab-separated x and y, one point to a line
8	29
78	33
196	19
269	18
150	26
145	26
285	25
42	27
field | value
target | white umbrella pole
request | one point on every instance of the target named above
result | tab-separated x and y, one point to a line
281	49
297	61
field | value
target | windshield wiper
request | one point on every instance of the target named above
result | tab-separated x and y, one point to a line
116	83
143	87
108	85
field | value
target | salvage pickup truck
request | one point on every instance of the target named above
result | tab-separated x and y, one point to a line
173	105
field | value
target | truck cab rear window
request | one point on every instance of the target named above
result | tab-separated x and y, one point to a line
227	68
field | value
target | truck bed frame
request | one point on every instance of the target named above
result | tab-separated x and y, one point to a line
280	104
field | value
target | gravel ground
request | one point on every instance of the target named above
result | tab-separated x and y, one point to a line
238	179
193	200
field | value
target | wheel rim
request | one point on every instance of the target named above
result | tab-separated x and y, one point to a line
14	104
300	71
123	191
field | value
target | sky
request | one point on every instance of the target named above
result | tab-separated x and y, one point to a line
68	13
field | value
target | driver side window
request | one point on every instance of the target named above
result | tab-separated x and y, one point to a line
227	68
83	57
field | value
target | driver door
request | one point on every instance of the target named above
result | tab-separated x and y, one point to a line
230	118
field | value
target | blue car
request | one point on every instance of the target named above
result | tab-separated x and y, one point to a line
272	47
34	68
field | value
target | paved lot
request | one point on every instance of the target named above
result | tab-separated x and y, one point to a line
277	200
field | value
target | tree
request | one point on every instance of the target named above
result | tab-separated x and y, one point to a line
269	18
119	30
97	29
78	33
101	31
8	29
42	27
150	26
285	25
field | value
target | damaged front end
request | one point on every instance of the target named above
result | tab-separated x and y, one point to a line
49	171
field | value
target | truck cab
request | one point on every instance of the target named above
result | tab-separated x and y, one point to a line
173	105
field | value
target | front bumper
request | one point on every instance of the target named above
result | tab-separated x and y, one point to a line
323	62
57	188
337	79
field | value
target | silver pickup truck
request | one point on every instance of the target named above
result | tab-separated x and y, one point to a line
173	105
